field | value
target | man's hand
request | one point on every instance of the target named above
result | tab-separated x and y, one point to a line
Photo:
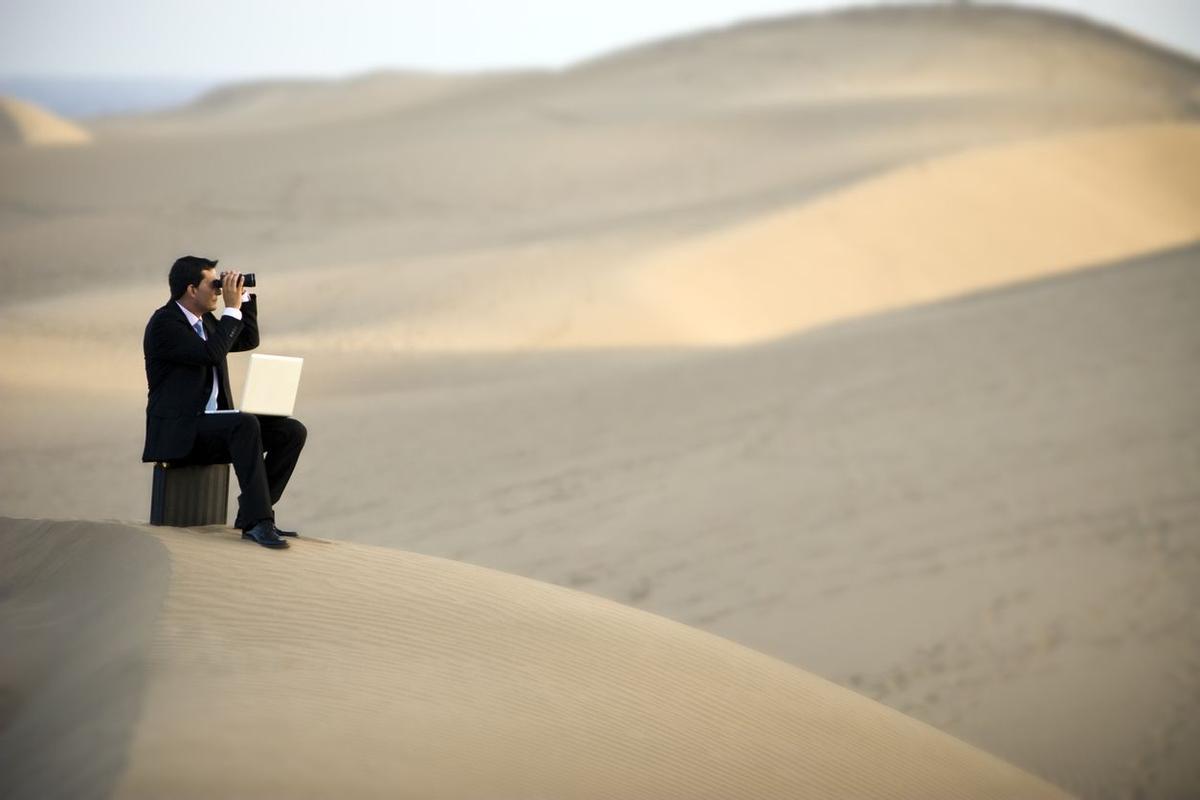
231	289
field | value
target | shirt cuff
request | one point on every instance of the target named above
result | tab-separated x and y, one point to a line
236	313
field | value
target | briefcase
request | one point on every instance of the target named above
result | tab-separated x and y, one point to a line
184	496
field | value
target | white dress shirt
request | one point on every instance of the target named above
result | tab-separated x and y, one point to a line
192	319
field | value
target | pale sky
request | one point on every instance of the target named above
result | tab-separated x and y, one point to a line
229	39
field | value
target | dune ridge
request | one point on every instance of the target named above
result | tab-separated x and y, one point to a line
933	230
693	135
25	124
942	228
471	683
795	60
898	52
286	105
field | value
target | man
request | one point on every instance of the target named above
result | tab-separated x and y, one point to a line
185	347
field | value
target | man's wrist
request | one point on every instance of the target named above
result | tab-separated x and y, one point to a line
236	313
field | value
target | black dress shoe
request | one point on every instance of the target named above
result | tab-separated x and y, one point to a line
264	534
237	523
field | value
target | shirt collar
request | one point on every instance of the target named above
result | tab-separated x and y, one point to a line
191	318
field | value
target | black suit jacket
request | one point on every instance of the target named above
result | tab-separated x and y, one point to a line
179	368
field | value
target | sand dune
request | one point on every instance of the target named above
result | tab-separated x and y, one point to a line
796	62
975	510
800	60
339	669
23	123
933	230
936	229
968	222
613	149
290	104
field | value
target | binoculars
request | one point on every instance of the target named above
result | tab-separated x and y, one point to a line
247	281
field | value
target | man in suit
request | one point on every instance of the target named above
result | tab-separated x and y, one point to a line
185	346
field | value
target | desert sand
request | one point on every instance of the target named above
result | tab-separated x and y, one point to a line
24	124
392	674
879	368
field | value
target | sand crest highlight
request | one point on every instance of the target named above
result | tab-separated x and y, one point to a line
950	226
931	231
25	124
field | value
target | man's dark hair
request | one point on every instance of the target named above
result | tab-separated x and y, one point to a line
187	271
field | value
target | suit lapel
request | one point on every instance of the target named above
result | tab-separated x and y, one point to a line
174	306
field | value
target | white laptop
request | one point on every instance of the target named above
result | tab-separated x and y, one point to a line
271	384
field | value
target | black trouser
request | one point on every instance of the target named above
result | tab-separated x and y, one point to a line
241	439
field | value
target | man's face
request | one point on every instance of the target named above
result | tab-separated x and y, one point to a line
206	296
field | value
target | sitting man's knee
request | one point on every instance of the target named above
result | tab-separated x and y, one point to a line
249	421
299	432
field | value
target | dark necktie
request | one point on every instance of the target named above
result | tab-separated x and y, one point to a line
199	329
